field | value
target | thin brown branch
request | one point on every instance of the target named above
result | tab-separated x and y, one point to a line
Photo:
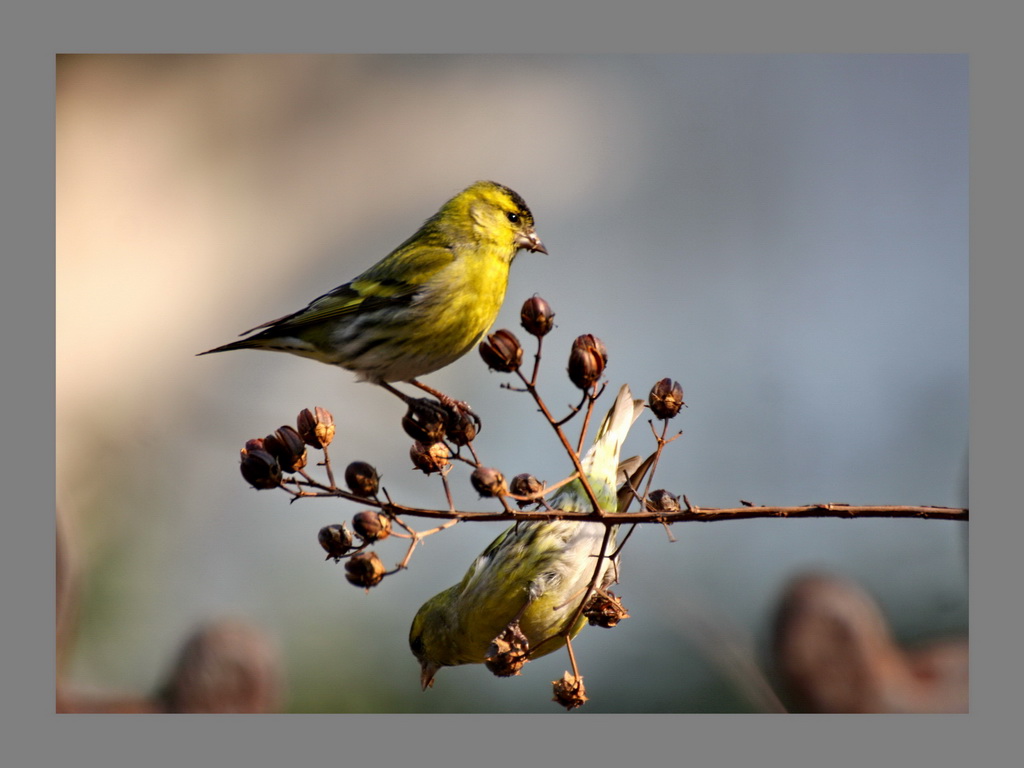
662	442
596	506
691	512
327	466
703	514
573	410
536	361
591	399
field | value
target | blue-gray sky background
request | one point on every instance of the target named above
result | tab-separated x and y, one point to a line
785	235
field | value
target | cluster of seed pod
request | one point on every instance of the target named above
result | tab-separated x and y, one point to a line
502	351
430	424
588	358
362	568
439	431
266	459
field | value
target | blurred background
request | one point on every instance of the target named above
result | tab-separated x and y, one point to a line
787	236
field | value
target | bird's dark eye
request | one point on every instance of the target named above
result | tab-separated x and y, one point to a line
513	217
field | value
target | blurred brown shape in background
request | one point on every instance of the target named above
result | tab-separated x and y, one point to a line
835	653
227	665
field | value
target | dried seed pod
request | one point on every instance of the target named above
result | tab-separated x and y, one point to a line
316	429
507	653
260	469
371	526
525	485
536	316
569	691
460	427
425	420
666	399
336	540
502	351
362	479
662	501
288	447
587	360
604	609
488	482
364	570
429	458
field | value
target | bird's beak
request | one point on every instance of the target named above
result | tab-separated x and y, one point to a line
427	672
530	242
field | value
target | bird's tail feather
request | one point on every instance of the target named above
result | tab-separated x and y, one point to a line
602	460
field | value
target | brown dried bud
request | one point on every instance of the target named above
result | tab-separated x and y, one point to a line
364	570
260	469
605	610
461	427
256	444
287	447
371	526
587	361
526	485
502	351
569	691
362	479
424	421
507	652
488	482
536	316
429	458
336	540
666	398
662	501
317	430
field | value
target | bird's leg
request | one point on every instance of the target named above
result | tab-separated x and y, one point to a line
445	409
445	400
397	393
